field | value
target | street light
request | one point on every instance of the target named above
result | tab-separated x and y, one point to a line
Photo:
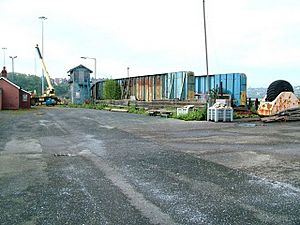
42	18
4	48
95	64
12	64
128	72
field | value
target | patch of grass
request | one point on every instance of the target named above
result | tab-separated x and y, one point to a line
241	115
100	106
197	115
136	110
88	106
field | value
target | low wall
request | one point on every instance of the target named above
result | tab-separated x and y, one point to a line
153	104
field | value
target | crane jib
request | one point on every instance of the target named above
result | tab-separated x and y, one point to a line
39	52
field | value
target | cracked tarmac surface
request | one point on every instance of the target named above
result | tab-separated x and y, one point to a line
78	166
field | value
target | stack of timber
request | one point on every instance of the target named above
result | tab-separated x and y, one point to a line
287	115
160	112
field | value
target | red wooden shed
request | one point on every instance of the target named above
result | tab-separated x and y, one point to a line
12	96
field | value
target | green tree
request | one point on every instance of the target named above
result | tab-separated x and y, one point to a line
33	83
112	90
62	90
27	82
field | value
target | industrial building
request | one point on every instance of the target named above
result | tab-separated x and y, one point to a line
80	85
12	96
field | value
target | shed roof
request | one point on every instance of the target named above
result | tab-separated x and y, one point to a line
16	86
79	67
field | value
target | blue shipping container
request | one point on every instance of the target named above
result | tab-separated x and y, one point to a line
234	84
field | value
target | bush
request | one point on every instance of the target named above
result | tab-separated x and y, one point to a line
195	115
112	90
100	106
135	110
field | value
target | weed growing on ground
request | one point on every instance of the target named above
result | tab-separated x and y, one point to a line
198	114
136	110
195	115
247	114
88	106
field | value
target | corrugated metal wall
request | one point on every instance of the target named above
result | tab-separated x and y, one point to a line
176	85
233	83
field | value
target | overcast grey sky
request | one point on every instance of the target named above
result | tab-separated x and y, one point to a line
258	37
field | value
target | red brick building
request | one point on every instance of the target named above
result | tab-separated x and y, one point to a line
12	96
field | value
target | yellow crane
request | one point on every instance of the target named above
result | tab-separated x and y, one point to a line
48	96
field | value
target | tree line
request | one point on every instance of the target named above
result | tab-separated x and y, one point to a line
33	83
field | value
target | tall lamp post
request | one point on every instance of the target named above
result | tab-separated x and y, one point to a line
43	18
12	64
95	64
4	49
206	54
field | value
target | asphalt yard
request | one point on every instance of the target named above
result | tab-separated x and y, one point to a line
78	166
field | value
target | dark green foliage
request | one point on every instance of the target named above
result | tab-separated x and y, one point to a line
112	90
33	82
62	90
26	82
136	110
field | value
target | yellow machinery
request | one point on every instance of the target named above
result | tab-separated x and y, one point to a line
48	96
280	102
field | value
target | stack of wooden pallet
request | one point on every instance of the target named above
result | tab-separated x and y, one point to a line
160	112
287	115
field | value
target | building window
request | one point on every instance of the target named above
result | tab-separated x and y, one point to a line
76	76
77	94
86	76
81	77
24	97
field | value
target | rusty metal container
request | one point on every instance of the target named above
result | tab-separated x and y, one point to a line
175	85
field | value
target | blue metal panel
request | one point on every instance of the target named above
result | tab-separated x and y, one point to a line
233	83
181	85
224	81
237	90
243	82
199	84
217	81
230	84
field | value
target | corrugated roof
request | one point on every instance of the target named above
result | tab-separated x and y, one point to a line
79	67
16	86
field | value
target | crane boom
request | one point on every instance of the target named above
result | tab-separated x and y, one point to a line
50	86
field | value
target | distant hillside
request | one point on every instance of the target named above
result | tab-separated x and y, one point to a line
261	92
